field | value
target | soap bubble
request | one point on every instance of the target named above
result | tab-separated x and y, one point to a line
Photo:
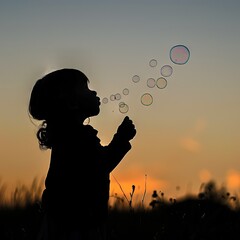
121	104
125	91
161	82
166	71
135	78
151	82
105	100
117	96
112	97
146	99
123	107
179	54
153	63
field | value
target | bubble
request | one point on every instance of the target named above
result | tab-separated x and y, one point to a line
135	78
146	99
161	82
166	71
179	54
123	107
105	100
153	63
112	97
121	104
125	91
151	82
117	96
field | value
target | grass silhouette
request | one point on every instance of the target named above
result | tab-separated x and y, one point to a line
211	214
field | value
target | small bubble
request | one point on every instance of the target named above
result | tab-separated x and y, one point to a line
118	96
151	82
135	78
105	100
112	97
125	91
121	104
166	71
153	63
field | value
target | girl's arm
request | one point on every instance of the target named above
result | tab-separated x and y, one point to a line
120	144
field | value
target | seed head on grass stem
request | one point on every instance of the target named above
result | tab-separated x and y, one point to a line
131	194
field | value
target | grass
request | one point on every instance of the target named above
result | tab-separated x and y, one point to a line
212	214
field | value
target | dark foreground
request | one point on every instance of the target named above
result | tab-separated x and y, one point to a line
190	218
213	214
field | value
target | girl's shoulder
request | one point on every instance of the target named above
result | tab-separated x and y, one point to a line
85	134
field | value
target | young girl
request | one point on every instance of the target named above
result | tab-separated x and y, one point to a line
77	185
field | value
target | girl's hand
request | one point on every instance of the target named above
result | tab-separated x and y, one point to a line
126	130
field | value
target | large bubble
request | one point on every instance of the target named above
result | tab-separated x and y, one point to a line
146	99
179	54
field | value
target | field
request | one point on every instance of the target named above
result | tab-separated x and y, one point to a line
212	214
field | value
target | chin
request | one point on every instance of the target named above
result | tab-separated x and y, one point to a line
95	113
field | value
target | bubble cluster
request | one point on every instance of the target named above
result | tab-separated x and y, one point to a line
179	54
116	96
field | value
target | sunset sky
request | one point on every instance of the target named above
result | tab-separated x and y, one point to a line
187	136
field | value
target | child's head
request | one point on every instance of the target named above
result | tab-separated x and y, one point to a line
63	94
61	97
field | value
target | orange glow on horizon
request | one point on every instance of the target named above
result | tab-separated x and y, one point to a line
233	180
144	187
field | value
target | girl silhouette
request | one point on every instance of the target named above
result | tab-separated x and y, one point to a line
75	199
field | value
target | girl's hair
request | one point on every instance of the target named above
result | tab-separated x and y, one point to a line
51	98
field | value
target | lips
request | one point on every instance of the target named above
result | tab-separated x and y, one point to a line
99	102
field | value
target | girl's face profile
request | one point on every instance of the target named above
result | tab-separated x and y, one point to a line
88	101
